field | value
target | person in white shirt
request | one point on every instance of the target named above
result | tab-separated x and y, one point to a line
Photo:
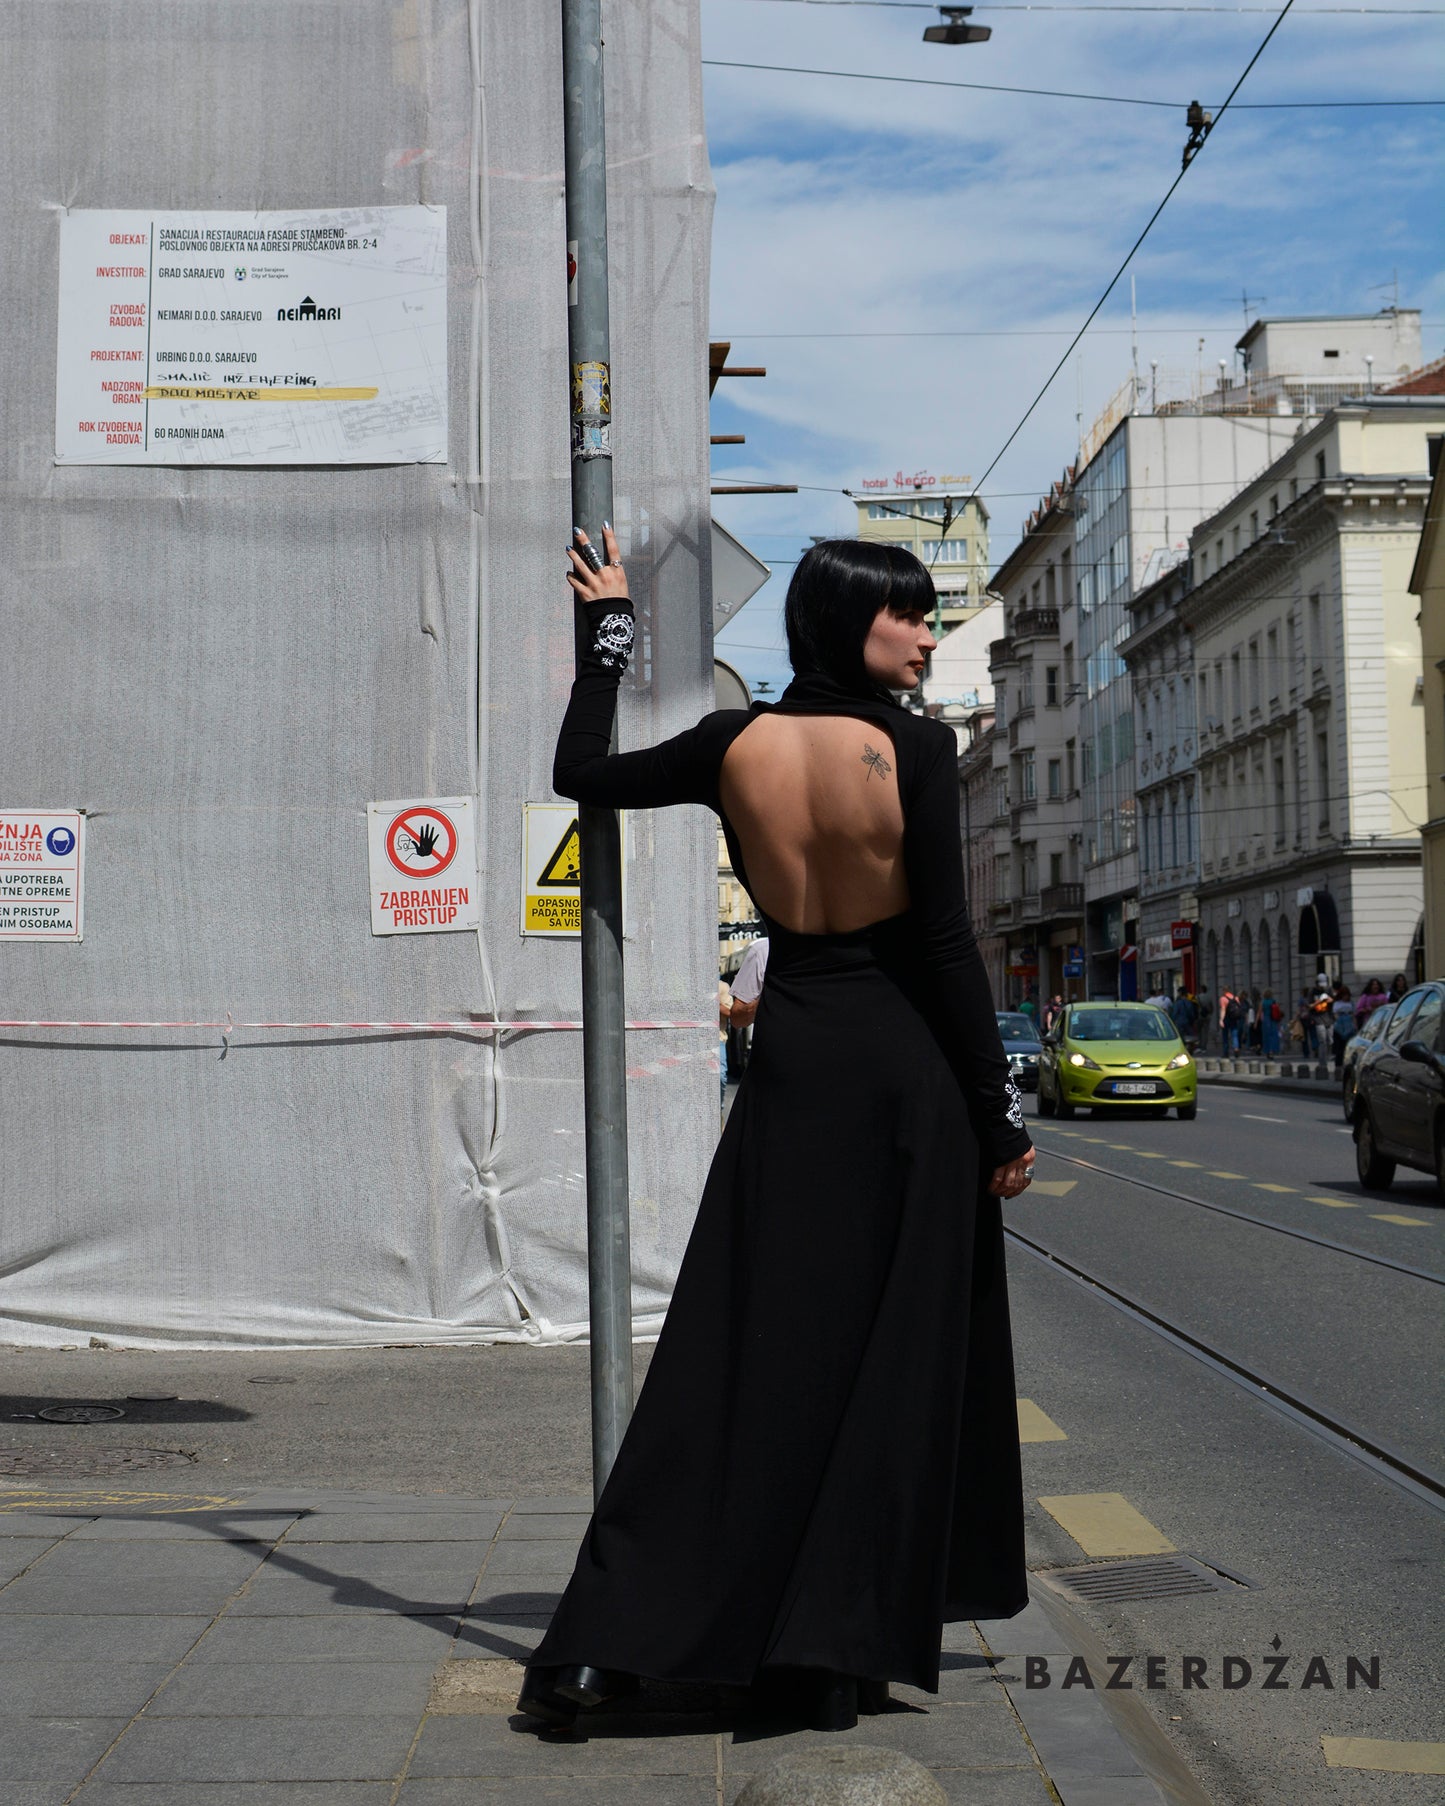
747	984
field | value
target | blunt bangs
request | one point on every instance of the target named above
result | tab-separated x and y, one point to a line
838	590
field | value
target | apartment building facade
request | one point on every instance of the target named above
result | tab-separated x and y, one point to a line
948	532
1160	657
1309	700
1427	582
1038	894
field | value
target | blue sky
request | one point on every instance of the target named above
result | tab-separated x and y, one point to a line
994	220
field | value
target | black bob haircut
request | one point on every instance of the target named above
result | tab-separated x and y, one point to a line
838	590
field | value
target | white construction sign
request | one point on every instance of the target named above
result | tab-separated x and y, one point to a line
313	337
423	859
41	851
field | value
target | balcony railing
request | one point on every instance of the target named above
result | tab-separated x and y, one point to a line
1035	623
1061	899
1005	914
1000	652
1030	908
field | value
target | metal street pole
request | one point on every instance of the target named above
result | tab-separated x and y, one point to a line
609	1264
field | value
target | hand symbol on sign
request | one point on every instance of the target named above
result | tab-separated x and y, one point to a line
425	841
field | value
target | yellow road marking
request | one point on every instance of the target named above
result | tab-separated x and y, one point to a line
1143	1156
1264	1185
1184	1163
1384	1753
1332	1203
1214	1175
1098	1140
1054	1188
1389	1216
1035	1425
1121	1147
91	1502
1105	1523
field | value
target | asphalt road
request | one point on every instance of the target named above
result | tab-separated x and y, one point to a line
1339	1561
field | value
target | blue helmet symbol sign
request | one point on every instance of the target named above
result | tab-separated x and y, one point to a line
60	841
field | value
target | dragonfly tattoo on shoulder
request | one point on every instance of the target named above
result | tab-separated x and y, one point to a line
875	761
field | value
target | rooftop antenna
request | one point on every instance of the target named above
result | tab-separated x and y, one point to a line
1393	285
1134	335
1247	301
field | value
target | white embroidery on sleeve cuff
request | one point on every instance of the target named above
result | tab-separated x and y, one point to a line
1015	1110
613	640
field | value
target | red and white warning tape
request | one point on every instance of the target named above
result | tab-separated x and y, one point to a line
468	1026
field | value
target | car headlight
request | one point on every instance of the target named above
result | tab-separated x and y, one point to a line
1180	1059
1081	1059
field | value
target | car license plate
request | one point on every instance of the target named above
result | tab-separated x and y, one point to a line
1125	1089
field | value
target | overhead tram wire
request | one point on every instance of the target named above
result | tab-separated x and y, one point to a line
1129	255
1117	100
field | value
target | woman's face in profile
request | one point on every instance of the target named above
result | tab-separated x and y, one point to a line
897	648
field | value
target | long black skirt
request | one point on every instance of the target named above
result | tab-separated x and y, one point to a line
823	1466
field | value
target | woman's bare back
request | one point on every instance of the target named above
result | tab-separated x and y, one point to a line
814	803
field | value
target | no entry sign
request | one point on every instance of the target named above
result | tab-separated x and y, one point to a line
423	859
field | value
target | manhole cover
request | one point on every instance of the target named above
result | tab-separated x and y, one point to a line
1145	1577
81	1413
89	1461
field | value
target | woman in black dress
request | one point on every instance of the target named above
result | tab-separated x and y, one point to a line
823	1464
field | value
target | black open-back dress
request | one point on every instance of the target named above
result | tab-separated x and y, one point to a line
823	1464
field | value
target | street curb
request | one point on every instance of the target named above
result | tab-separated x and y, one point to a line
1327	1090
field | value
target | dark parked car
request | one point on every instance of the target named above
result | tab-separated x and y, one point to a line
1400	1093
1022	1045
1364	1038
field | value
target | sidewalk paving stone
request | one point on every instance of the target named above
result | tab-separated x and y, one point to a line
493	1746
295	1689
335	1637
239	1793
545	1526
378	1557
52	1750
284	1749
17	1553
96	1560
622	1790
396	1527
139	1596
94	1689
79	1638
199	1527
534	1558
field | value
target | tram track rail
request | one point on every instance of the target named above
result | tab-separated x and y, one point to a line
1380	1458
1246	1216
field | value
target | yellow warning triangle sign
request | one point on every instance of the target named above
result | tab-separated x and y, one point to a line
564	869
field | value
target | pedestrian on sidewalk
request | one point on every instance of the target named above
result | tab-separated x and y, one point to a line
747	994
1232	1021
1271	1023
823	1466
724	1020
1368	1001
1399	984
1342	1017
1204	1006
1184	1013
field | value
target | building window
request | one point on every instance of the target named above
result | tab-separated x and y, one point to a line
1056	778
1068	667
1274	505
1026	771
1271	662
1319	467
1069	774
1279	800
1203	566
1253	525
1000	707
1056	868
1254	674
1322	780
1316	630
1051	686
1026	688
1235	685
944	551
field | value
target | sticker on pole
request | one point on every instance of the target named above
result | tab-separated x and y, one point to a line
423	858
40	867
552	869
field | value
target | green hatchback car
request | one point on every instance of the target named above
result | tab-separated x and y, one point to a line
1101	1054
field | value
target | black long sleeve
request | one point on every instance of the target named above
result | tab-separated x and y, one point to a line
680	770
933	860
